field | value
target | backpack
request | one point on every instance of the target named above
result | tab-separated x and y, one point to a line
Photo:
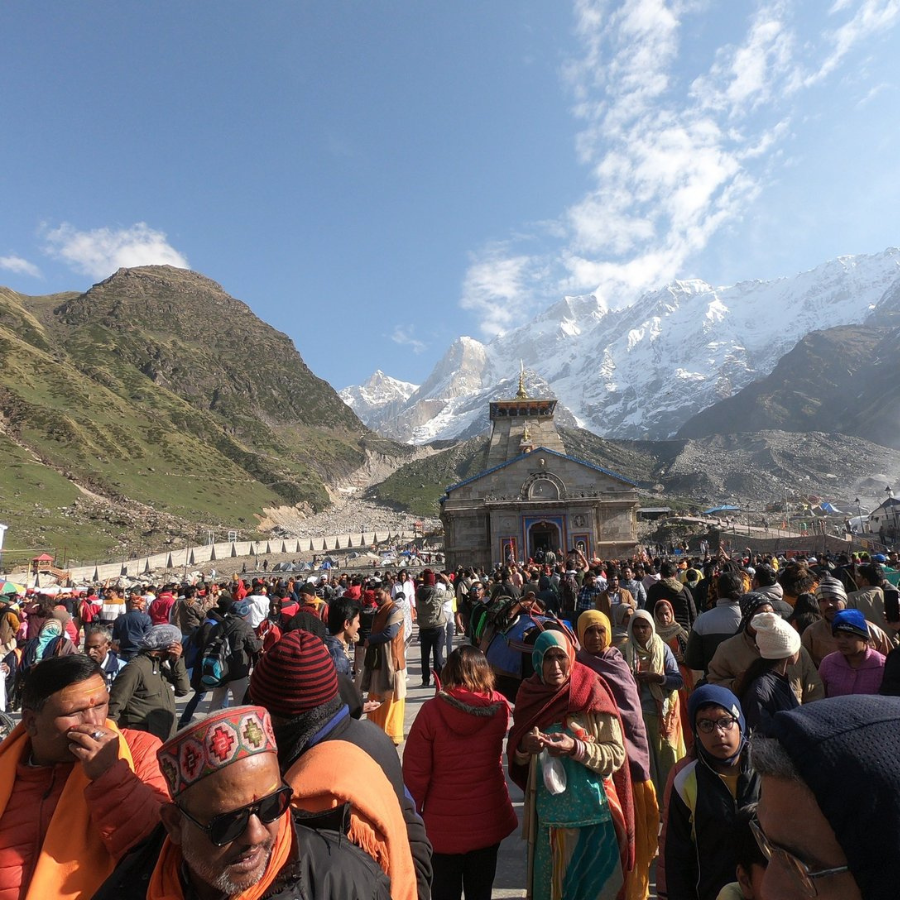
215	663
569	593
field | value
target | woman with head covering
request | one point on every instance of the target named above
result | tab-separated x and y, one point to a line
854	668
764	688
697	847
658	679
566	751
674	636
597	653
620	615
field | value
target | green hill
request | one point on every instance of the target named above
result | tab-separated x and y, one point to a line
158	405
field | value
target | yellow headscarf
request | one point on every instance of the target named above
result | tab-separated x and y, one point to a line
593	617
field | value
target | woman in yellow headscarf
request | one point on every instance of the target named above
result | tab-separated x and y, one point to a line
597	653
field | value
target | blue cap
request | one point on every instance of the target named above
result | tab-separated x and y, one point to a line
850	621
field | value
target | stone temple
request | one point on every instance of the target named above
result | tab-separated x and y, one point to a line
534	495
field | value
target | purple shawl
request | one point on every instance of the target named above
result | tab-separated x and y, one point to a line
610	665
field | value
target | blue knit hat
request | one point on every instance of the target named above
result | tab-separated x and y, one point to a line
716	695
846	750
850	621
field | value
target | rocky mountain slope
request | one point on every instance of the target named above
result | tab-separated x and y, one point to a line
749	470
643	371
844	379
154	406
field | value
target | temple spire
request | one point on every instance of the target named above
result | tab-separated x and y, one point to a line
522	393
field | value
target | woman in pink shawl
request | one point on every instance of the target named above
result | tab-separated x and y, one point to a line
597	653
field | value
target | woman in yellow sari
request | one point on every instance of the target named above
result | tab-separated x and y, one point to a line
597	653
659	681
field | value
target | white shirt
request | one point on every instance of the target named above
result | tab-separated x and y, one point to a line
259	609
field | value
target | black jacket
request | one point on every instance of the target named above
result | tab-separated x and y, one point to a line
323	866
378	745
699	849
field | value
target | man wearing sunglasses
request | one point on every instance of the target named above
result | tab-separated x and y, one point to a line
829	808
230	831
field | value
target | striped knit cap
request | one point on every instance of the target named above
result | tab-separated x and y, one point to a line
294	676
829	586
213	743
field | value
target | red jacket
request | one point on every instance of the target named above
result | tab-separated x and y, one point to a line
453	768
124	809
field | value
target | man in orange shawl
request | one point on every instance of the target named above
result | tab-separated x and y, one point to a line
330	758
76	793
229	831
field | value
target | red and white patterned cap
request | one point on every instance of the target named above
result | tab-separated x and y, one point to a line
214	743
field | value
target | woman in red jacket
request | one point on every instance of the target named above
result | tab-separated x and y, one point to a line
453	767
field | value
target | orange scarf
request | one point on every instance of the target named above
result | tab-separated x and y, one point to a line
337	772
165	882
380	623
73	860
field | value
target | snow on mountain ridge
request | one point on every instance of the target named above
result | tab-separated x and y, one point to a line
641	371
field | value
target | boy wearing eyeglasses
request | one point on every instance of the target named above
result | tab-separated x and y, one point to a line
698	854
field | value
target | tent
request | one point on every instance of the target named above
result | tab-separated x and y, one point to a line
719	509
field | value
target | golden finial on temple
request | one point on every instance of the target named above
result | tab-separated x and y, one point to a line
522	394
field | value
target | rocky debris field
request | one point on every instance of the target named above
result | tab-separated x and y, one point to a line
351	515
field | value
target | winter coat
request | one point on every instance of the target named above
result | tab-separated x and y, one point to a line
124	808
765	696
696	849
711	628
430	607
453	767
141	696
734	656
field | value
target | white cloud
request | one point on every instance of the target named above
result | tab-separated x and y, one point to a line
101	252
19	266
498	288
405	337
870	19
675	149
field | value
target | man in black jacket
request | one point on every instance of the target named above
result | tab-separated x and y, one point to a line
679	595
296	682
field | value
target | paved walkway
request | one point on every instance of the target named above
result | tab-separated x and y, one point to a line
510	879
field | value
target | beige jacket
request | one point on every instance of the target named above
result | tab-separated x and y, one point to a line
734	656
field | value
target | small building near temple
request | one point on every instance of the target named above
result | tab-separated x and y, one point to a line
534	497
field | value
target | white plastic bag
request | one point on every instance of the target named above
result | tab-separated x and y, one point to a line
554	773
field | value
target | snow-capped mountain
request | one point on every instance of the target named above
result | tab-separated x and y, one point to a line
381	397
640	372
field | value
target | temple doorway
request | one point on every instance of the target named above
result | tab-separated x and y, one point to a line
543	536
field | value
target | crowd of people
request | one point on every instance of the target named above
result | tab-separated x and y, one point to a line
729	726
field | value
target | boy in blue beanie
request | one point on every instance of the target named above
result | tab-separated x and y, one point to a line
698	854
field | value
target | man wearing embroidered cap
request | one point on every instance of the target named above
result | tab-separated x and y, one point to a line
75	792
229	831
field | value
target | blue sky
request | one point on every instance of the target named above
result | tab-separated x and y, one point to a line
376	179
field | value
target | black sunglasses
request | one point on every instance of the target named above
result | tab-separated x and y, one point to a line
229	826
